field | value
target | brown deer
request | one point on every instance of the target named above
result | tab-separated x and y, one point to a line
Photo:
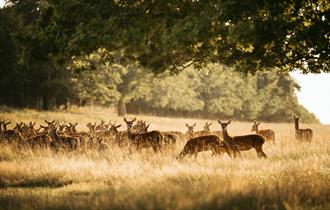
68	142
151	139
242	143
9	135
204	143
168	137
268	134
302	134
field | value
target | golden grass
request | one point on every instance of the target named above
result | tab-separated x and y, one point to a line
295	176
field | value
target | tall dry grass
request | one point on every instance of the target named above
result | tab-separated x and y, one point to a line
295	176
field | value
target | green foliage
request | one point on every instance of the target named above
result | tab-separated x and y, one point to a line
166	35
54	52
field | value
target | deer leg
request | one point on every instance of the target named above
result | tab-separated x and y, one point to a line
239	154
260	152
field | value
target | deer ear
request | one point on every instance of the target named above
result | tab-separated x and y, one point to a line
219	122
258	123
125	119
147	126
210	124
187	125
134	119
229	121
118	126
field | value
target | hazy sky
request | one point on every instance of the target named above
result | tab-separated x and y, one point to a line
314	93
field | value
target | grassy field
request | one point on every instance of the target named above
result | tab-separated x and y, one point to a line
295	175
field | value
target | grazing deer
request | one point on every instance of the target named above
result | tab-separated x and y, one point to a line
204	143
268	134
151	139
242	143
302	134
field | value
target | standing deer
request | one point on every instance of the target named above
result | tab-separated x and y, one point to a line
242	143
204	143
268	134
302	134
151	139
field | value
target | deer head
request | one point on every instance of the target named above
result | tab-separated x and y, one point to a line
224	124
255	126
114	128
5	125
190	128
129	123
207	126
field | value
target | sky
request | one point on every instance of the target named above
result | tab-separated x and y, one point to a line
314	93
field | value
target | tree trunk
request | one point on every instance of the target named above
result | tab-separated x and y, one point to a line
45	102
121	108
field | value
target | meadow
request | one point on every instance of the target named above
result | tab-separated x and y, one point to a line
294	176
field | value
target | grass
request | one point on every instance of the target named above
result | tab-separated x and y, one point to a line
295	176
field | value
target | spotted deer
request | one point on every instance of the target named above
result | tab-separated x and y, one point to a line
302	134
242	143
149	139
268	134
204	143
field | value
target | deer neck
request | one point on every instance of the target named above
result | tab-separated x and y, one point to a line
296	124
226	136
54	135
257	130
129	133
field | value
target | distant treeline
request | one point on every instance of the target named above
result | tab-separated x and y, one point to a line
31	77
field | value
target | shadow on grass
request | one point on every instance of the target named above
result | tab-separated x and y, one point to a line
49	183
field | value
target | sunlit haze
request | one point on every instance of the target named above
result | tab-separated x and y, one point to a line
314	94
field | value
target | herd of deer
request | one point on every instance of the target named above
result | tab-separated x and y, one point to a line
64	136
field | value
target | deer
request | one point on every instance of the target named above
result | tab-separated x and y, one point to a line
69	142
204	143
242	143
302	134
268	134
8	135
151	139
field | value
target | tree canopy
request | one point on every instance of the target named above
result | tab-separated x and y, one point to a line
188	58
170	35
